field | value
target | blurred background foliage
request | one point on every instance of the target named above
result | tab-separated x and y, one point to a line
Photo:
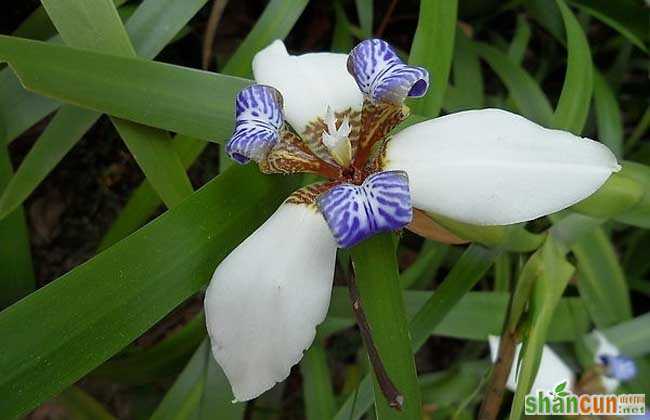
123	335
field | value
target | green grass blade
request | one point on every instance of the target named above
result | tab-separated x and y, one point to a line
632	337
155	23
81	406
92	26
468	79
154	152
433	48
375	267
178	99
134	284
144	201
608	115
16	273
474	263
342	37
137	366
62	133
476	315
317	385
547	291
522	87
183	399
601	281
628	17
217	394
276	22
573	106
96	25
36	26
365	13
519	43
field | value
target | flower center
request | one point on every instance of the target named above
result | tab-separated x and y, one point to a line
336	139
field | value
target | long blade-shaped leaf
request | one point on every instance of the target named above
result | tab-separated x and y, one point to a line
376	272
277	20
96	25
433	48
183	100
573	106
16	274
93	311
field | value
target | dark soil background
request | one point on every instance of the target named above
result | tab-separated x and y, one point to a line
73	208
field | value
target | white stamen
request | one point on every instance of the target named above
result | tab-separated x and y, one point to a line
336	139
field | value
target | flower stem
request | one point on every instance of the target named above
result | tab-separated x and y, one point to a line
392	394
384	327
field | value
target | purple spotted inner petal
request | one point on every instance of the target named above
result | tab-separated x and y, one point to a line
258	122
382	76
356	212
622	368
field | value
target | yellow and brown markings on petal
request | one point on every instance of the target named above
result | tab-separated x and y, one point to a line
313	133
308	195
290	155
377	120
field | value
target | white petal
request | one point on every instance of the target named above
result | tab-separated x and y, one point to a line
604	347
267	297
552	370
493	167
308	82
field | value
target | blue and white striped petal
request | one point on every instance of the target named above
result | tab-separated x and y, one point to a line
356	212
382	76
258	122
619	367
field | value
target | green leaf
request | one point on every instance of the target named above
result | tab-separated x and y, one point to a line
628	17
632	336
104	304
469	269
573	106
365	12
342	37
523	89
519	43
468	79
144	201
81	406
92	26
423	270
475	316
96	25
178	99
601	281
62	133
620	193
276	22
150	32
639	214
432	48
376	273
554	275
317	385
608	115
138	366
16	274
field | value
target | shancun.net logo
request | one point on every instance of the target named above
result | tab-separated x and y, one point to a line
560	401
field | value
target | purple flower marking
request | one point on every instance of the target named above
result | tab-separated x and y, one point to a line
258	121
356	212
382	76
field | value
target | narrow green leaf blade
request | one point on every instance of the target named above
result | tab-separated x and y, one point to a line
276	22
433	48
573	106
16	273
365	13
376	273
177	99
133	284
317	385
608	115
